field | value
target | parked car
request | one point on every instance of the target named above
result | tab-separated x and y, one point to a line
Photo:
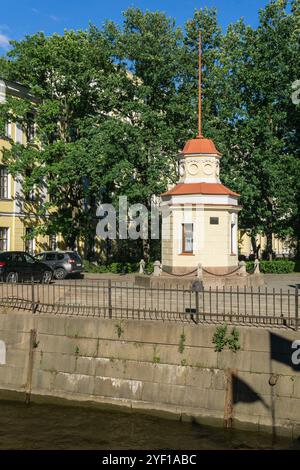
19	266
63	263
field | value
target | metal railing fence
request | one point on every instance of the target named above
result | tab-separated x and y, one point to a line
124	300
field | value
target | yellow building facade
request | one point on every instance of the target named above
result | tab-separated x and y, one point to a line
15	220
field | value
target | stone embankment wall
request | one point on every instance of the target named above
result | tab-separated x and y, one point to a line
155	366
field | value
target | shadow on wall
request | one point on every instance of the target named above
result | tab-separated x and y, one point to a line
243	393
284	351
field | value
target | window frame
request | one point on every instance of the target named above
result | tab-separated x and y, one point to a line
184	251
4	247
4	188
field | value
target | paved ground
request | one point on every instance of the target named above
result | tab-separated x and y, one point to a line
282	281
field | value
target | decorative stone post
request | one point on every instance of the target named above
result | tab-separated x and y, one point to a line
157	269
200	272
256	267
142	267
242	270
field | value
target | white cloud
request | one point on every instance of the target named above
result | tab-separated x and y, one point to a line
54	18
4	41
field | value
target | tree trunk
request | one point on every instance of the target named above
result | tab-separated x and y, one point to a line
71	243
254	245
269	246
146	249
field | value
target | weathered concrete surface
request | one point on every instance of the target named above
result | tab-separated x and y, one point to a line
162	367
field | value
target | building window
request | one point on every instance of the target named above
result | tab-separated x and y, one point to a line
233	235
8	130
19	133
29	241
214	221
53	242
3	182
187	238
3	239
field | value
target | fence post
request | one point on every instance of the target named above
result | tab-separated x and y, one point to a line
197	307
296	308
32	295
32	346
109	299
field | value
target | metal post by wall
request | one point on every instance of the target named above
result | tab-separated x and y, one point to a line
197	307
109	300
228	405
32	346
32	295
296	308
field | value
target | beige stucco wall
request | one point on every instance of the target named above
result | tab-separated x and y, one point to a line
281	246
205	168
212	246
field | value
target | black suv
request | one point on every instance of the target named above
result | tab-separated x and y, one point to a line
63	263
19	266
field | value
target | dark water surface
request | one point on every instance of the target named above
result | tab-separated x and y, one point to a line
48	426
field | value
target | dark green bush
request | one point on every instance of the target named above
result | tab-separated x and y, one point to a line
277	266
297	265
115	268
150	267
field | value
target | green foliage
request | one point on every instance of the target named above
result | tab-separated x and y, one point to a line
149	267
278	266
221	339
119	329
77	351
184	363
156	358
106	132
181	346
115	268
233	340
297	265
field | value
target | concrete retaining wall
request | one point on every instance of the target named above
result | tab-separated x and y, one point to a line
167	367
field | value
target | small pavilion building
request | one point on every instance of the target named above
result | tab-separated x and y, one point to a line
200	215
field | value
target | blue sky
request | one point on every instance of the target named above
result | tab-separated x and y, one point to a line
29	16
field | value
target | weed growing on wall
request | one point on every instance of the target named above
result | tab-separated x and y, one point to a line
181	345
119	329
156	358
221	339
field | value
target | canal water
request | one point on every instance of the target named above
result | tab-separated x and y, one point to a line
48	426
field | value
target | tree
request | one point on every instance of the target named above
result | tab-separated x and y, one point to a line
74	76
260	162
117	104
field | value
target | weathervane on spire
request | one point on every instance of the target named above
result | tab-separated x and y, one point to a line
200	136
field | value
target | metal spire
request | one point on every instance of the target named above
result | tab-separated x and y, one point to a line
200	136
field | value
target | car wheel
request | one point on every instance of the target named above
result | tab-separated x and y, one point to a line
60	274
12	278
47	277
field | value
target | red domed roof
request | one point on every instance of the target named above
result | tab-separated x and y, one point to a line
200	188
200	145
